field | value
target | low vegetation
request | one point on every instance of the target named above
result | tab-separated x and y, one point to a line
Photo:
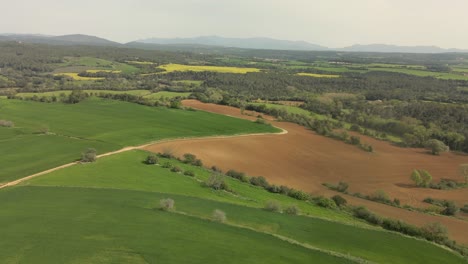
203	68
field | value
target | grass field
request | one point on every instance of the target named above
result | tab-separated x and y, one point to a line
90	63
167	94
76	77
197	68
288	108
422	73
107	186
109	71
189	82
141	62
73	225
103	124
317	75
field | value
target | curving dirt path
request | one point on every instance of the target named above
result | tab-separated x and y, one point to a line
15	182
301	159
304	160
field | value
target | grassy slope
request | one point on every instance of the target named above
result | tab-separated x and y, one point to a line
72	225
103	124
112	172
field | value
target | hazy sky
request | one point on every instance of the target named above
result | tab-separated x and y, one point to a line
333	23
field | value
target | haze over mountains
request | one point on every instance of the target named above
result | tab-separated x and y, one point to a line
243	43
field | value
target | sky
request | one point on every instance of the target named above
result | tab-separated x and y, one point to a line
332	23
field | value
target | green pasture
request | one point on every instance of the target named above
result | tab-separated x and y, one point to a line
102	124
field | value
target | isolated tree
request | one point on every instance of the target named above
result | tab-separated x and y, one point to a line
89	155
273	206
436	146
217	182
464	172
292	210
151	159
416	177
166	204
426	178
219	216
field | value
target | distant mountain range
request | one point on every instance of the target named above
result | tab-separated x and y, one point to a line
76	39
244	43
219	42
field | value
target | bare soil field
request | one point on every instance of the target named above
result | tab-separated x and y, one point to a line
304	160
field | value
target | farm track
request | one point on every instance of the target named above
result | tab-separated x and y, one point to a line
15	182
254	154
304	160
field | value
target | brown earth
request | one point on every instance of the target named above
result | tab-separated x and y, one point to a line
304	160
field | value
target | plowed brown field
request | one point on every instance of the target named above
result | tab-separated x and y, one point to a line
304	160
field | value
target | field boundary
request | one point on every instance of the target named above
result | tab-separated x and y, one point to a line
15	182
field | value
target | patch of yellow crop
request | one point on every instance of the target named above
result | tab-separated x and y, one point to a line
316	75
200	68
141	62
110	71
76	77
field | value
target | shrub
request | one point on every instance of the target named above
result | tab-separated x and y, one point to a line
292	210
176	169
198	163
299	195
339	201
450	209
284	189
89	155
167	165
274	188
355	140
363	213
237	175
6	123
261	121
435	232
189	173
464	208
166	204
151	159
259	181
167	153
342	187
325	202
216	181
402	227
216	169
189	158
219	216
380	196
273	206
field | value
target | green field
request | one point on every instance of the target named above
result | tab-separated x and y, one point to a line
111	204
317	75
73	225
288	108
166	94
201	68
103	124
78	64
